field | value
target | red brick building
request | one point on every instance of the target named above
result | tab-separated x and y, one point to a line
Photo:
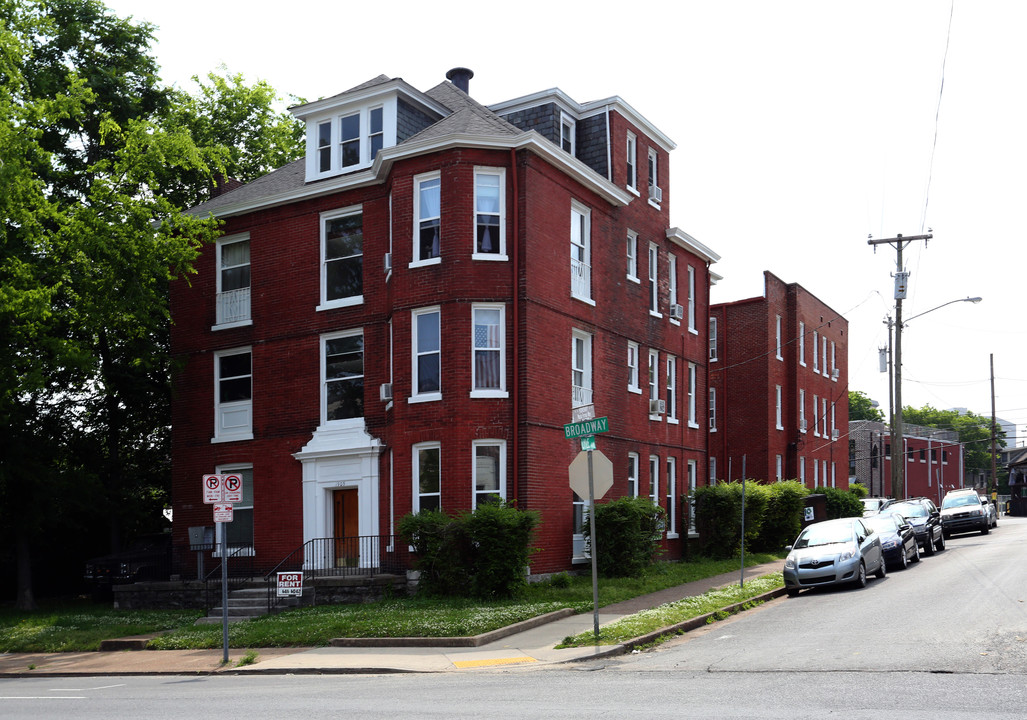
934	459
779	388
407	317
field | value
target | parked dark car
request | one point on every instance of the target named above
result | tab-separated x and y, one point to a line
898	541
148	558
964	511
833	552
874	505
923	515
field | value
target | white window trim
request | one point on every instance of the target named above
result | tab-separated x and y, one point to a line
691	301
816	352
632	255
501	256
802	344
672	285
823	416
586	369
779	468
501	492
713	409
501	391
654	479
802	410
219	528
713	470
343	422
631	154
578	209
777	353
654	281
653	368
220	437
415	501
693	389
633	474
823	354
653	158
221	242
346	301
633	369
416	262
568	121
834	366
714	349
672	502
672	390
816	415
416	397
779	410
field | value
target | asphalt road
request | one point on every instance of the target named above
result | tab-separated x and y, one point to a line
944	639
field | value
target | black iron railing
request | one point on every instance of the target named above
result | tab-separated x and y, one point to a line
241	569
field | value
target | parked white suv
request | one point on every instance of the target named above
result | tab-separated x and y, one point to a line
964	511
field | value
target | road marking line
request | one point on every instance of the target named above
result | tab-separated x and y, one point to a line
494	661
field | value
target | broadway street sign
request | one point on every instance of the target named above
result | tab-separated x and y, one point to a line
586	427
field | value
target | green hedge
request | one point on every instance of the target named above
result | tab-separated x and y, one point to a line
840	503
628	534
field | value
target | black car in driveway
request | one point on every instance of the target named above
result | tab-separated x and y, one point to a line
148	558
897	539
925	519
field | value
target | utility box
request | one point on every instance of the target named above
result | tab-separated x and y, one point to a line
815	509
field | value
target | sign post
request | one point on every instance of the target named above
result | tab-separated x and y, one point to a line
221	491
586	430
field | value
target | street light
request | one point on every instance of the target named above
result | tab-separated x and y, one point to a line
898	469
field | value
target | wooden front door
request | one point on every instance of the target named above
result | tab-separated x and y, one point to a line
346	527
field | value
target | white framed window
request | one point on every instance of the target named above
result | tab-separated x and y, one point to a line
581	368
802	344
342	258
691	300
654	479
632	253
823	416
777	336
802	411
654	282
672	389
779	471
633	385
238	534
692	390
655	193
426	343
488	365
816	354
713	409
375	131
489	213
823	470
654	389
567	127
672	281
823	353
672	491
816	416
692	470
802	469
714	355
833	481
632	162
349	140
324	146
816	473
489	472
834	427
342	376
713	470
427	493
778	410
233	281
581	252
834	366
427	218
632	474
233	395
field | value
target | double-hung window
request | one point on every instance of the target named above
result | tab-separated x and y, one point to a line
567	133
802	344
834	366
672	501
489	359
823	416
779	410
714	356
349	139
427	355
324	146
654	280
489	209
632	160
672	284
632	252
654	479
672	389
655	193
691	300
427	217
581	253
823	353
816	355
713	409
238	534
654	389
427	477
802	411
375	131
342	258
632	474
693	421
777	336
342	387
816	416
489	472
233	281
633	385
581	368
233	380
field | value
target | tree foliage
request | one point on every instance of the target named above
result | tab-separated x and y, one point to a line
974	432
861	407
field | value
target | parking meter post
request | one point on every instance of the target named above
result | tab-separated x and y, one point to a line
592	541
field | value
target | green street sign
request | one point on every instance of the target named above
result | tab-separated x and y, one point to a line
586	427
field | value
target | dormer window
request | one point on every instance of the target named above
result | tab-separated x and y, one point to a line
343	140
349	128
567	133
376	131
324	146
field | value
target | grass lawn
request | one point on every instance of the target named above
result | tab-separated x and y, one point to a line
79	626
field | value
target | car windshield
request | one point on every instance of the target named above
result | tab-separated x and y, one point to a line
824	534
910	510
959	501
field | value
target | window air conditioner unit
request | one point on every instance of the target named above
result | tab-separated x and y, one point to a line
677	311
657	407
835	373
386	392
802	426
655	193
835	434
388	262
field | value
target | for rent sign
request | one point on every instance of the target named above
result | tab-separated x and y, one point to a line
290	584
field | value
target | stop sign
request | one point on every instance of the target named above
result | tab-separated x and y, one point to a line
602	474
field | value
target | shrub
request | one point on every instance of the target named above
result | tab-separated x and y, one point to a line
481	554
628	533
782	518
859	490
840	503
718	519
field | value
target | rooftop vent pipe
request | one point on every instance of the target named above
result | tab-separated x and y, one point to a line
461	77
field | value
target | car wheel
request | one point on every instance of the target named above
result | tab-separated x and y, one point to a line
985	530
861	576
940	544
916	553
903	559
946	534
928	547
793	592
882	570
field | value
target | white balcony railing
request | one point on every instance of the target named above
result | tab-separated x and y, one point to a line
580	396
581	279
233	306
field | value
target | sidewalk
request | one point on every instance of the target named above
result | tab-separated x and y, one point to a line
524	644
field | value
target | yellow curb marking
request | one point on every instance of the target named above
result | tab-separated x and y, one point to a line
496	661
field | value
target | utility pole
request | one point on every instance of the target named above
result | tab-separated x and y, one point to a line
898	465
994	477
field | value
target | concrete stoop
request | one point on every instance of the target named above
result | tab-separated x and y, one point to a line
243	604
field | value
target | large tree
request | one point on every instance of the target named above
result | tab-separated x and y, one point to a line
97	162
861	407
974	432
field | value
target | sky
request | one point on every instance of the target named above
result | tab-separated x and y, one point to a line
802	128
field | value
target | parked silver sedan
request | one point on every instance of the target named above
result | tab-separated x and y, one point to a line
833	552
